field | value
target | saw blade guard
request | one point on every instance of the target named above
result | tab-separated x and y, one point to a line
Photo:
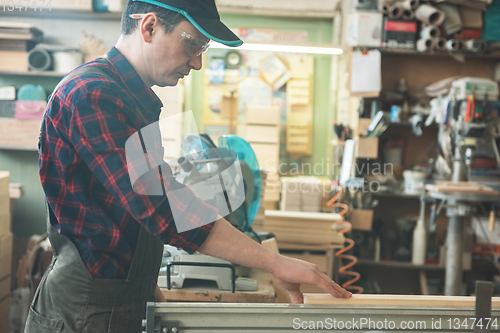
250	166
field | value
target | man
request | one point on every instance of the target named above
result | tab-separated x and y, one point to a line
107	238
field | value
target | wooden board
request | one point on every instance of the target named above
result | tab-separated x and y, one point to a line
4	203
5	254
461	189
309	225
396	300
278	214
5	286
298	237
264	294
308	247
4	314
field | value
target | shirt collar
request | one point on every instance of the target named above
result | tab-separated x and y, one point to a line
132	81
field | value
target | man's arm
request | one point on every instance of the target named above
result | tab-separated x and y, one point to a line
228	243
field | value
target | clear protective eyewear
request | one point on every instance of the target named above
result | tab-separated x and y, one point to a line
194	46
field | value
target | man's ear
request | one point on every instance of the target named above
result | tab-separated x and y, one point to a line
148	26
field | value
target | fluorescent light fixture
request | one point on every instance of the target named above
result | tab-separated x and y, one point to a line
281	48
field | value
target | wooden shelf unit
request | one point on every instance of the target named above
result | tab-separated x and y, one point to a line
61	14
28	73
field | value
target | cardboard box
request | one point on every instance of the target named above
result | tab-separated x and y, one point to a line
367	148
262	134
363	124
14	61
262	115
267	155
19	133
399	34
4	314
362	219
364	29
5	255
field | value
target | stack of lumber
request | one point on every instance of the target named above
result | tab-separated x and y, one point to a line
301	230
304	194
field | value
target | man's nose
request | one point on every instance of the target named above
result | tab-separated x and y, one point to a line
195	62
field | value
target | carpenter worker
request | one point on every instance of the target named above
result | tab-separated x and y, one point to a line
108	238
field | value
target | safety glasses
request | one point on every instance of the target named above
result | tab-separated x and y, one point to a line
194	46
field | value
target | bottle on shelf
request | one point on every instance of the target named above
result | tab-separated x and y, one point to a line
419	238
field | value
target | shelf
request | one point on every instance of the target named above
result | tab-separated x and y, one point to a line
18	148
399	264
396	195
495	55
62	14
408	124
28	73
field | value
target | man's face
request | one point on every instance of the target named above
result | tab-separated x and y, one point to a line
168	58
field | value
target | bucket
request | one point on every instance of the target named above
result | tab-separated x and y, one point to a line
413	179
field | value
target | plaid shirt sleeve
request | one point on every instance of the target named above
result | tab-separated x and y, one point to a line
100	125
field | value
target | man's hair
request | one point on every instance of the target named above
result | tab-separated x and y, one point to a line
138	7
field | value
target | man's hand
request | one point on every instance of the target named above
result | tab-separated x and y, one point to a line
290	273
227	243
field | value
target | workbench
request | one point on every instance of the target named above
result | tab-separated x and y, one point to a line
361	313
201	292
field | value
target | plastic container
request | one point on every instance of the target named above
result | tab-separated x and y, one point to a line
413	181
66	61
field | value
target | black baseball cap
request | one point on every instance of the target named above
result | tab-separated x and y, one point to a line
204	16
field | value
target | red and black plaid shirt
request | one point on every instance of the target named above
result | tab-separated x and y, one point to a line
84	172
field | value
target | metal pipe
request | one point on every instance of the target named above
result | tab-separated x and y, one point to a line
454	243
457	164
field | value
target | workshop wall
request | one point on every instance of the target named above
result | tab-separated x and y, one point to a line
29	214
319	31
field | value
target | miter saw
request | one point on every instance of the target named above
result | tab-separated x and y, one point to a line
233	168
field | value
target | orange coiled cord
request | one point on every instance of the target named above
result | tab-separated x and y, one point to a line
341	253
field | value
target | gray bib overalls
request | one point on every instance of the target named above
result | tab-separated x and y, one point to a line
69	299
